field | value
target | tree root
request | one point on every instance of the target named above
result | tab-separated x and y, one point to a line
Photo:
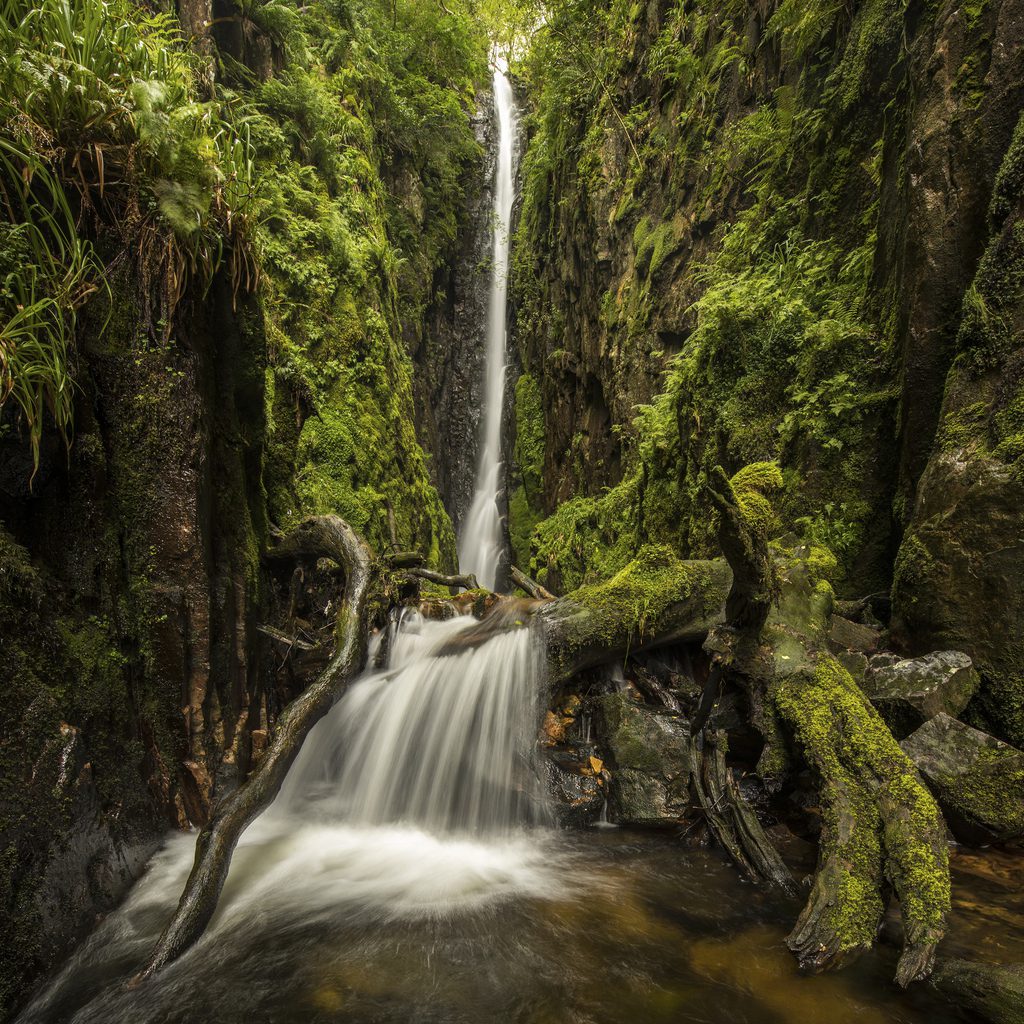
731	818
881	828
323	536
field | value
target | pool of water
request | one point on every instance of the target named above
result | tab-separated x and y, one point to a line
391	924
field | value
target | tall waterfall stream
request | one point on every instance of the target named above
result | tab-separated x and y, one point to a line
408	870
480	539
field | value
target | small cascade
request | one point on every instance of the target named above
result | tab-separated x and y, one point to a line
480	540
440	739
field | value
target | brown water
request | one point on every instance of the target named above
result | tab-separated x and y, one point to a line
601	927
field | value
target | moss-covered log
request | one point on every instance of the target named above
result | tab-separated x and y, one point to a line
656	599
881	829
323	536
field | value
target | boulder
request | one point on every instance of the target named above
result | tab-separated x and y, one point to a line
909	691
978	780
853	636
983	992
577	791
650	754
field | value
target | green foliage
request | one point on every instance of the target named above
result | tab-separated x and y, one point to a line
784	353
103	131
364	148
46	272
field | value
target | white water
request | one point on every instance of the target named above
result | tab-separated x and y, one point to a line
445	742
480	537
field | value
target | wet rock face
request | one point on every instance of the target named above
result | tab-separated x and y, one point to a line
909	691
960	579
978	780
987	992
448	353
650	754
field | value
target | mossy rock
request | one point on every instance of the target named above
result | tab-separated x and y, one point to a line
978	780
650	755
910	691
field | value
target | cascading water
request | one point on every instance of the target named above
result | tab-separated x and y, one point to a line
480	538
443	739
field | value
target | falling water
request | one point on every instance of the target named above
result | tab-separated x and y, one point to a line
444	738
480	539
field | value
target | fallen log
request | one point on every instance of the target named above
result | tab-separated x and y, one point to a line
321	537
530	586
456	581
881	829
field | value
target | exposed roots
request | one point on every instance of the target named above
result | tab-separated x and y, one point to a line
881	828
324	536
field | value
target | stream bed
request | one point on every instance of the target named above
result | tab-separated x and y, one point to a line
391	924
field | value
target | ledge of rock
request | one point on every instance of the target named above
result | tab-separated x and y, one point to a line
978	780
909	691
984	992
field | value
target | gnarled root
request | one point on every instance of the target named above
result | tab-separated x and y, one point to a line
324	536
731	818
881	827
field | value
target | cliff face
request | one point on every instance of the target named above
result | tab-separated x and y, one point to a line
131	588
448	347
751	233
760	232
131	575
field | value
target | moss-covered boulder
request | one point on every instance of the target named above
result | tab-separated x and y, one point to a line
650	755
978	780
910	691
984	992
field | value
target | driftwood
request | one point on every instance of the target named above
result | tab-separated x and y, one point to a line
326	537
731	818
530	586
465	581
288	641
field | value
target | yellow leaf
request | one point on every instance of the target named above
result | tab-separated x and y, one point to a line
596	764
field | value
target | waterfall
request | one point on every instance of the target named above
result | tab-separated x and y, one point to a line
480	539
442	738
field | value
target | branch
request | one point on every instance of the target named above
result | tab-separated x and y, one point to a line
321	537
531	587
466	582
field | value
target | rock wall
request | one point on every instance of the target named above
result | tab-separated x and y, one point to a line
449	354
131	590
786	232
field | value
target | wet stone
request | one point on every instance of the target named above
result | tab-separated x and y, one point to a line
650	754
986	992
910	691
978	780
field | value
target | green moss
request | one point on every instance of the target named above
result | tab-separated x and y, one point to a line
862	769
991	792
914	569
638	595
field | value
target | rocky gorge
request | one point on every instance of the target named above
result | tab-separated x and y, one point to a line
760	479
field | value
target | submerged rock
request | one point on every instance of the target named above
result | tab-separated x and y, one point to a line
651	754
978	780
909	691
985	992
